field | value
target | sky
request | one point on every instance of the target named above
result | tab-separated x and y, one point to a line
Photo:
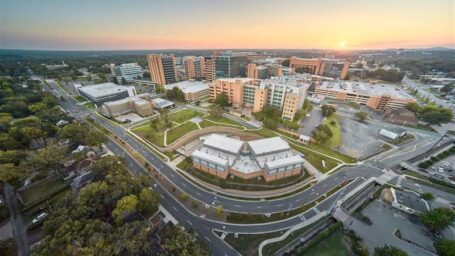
215	24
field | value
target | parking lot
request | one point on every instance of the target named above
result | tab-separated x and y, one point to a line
359	139
385	221
445	166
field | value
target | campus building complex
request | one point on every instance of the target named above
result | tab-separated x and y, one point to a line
323	67
127	72
193	90
380	97
162	68
271	158
286	93
194	67
101	93
139	104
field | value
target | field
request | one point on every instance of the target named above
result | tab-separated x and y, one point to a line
332	245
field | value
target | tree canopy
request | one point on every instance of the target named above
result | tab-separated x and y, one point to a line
222	100
328	110
389	251
438	219
445	247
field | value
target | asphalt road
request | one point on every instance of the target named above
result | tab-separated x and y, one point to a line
17	224
370	168
425	93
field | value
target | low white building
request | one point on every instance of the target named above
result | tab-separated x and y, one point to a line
393	133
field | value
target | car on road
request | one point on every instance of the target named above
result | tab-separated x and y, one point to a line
39	218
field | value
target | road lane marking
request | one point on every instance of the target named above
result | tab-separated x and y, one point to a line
189	222
173	207
207	239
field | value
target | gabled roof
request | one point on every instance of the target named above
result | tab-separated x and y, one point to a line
269	145
223	143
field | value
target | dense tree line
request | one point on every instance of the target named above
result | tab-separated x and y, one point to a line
392	75
431	114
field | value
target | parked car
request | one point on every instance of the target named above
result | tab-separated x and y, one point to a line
39	218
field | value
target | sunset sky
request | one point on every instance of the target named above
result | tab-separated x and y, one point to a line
192	24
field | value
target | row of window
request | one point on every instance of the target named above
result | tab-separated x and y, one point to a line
285	168
209	164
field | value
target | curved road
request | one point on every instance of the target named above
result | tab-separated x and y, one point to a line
365	170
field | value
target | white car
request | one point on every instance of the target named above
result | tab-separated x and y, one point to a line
40	217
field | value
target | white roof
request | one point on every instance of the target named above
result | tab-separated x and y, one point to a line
210	158
284	162
223	143
242	79
268	145
188	86
99	90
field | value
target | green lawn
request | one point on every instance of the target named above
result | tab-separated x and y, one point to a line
42	191
332	245
184	115
222	120
79	98
185	164
89	105
335	140
179	131
248	244
148	133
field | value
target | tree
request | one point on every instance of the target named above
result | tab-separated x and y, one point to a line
160	89
10	173
148	200
270	124
437	118
327	110
438	219
180	242
445	247
94	138
361	116
216	111
48	158
219	210
222	100
11	156
427	196
389	251
413	107
322	133
126	206
74	132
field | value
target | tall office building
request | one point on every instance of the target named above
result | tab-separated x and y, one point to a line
228	66
162	68
127	72
194	67
209	68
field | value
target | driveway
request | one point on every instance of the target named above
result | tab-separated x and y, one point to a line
311	122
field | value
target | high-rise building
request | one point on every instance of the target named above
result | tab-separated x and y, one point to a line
194	67
162	68
286	93
209	68
323	67
228	66
127	72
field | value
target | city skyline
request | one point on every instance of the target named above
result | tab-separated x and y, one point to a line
121	25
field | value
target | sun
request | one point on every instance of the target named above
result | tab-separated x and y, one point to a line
342	44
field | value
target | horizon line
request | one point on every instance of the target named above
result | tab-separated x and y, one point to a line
194	49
